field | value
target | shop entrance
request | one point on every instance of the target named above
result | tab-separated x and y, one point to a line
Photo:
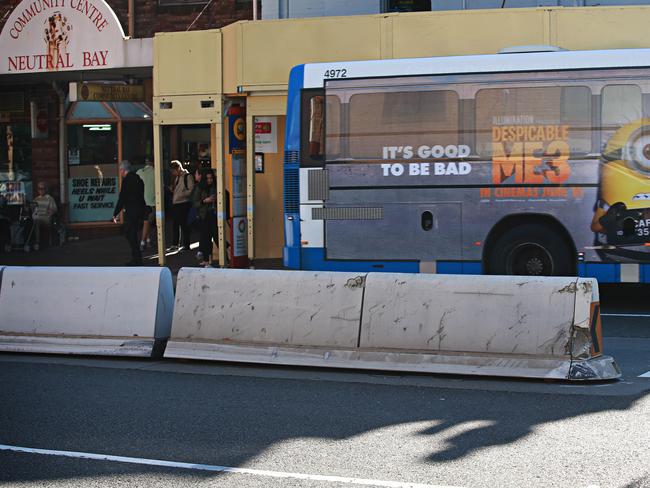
100	135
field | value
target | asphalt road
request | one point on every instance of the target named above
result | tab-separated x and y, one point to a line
318	428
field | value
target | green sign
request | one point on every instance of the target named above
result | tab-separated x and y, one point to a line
92	199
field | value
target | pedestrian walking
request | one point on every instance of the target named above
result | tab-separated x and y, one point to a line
147	175
182	187
131	200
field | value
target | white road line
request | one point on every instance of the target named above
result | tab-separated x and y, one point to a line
624	315
645	375
223	469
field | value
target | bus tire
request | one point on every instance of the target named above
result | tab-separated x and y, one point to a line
531	250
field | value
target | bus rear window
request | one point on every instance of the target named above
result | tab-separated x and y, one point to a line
400	119
318	111
534	115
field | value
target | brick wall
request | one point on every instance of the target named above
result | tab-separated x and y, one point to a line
151	17
45	152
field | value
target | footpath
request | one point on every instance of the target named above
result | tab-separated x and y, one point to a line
108	251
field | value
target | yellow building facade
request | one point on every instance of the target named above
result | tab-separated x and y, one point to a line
199	75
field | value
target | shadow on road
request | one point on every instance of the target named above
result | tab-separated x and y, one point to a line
229	420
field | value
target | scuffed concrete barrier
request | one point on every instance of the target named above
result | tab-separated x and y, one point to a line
485	325
543	327
95	311
251	315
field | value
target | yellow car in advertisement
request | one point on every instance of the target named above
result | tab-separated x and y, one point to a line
622	216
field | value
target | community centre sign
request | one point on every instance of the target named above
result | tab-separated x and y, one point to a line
61	35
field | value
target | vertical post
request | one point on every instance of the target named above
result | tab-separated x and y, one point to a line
119	160
131	8
120	142
250	184
159	168
63	145
219	165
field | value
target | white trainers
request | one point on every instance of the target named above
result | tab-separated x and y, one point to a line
142	244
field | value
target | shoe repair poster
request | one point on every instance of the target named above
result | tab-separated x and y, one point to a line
92	198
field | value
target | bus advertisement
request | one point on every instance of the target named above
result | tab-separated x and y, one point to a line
518	164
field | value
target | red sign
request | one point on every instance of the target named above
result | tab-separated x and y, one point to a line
262	128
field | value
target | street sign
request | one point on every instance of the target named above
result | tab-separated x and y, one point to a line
103	92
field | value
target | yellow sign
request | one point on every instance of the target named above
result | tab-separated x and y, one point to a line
99	92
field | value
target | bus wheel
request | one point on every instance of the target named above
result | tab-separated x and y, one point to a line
531	250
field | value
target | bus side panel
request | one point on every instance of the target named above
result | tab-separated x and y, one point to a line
572	207
291	250
416	229
314	259
446	223
292	137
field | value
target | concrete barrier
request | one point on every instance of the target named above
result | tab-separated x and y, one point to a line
543	327
485	325
95	311
244	315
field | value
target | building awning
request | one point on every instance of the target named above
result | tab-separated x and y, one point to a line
79	112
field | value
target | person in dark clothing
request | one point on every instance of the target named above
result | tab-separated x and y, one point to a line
131	199
5	227
205	201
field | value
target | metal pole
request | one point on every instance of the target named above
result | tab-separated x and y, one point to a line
63	196
131	8
219	165
160	194
250	183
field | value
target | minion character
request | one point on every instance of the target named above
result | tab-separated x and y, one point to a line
622	216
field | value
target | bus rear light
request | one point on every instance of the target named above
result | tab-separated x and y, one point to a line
304	243
478	243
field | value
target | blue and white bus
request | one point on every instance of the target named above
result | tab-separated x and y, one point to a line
531	163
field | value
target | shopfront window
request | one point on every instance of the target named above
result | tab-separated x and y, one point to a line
92	163
100	135
92	144
15	163
137	142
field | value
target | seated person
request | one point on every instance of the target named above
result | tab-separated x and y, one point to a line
44	211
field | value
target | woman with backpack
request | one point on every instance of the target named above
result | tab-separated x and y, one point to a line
182	186
205	202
